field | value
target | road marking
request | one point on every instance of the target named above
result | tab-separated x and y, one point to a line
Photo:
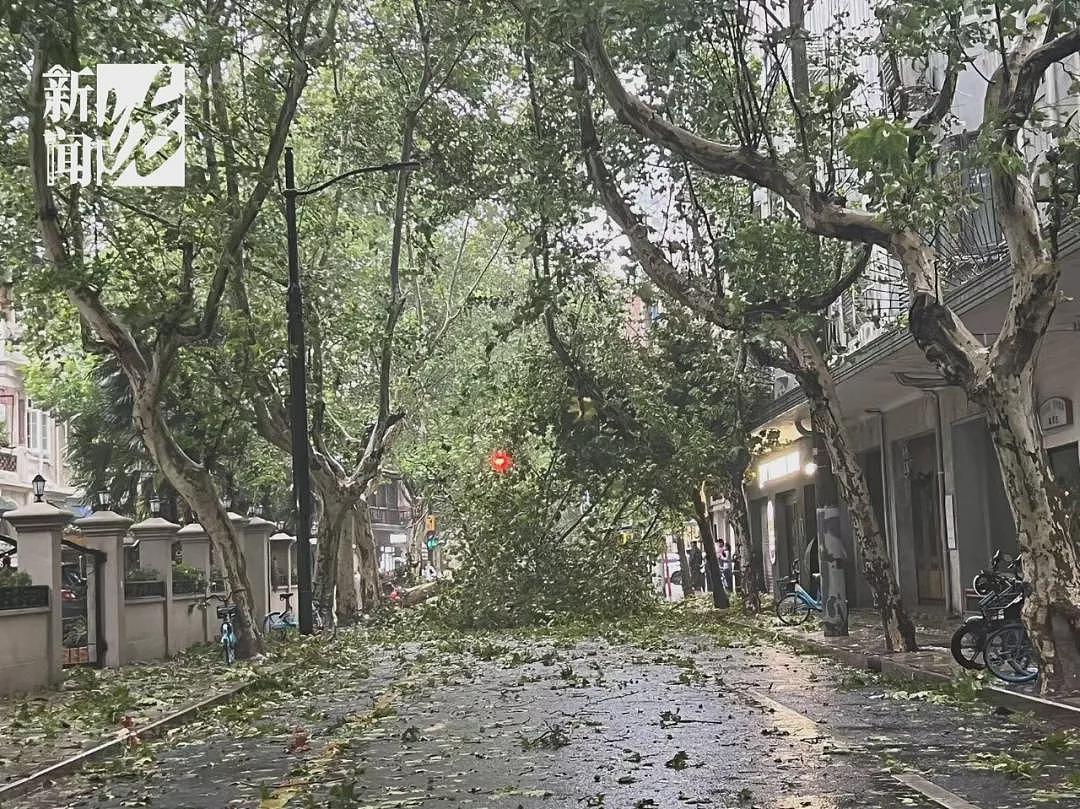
805	728
938	795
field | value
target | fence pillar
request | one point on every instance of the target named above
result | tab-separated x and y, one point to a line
156	536
40	529
255	535
104	531
281	545
195	546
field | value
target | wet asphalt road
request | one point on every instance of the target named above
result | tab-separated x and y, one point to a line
501	722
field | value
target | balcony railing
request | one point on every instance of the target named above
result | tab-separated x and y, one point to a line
8	462
389	516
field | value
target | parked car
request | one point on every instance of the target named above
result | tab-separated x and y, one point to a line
72	591
667	577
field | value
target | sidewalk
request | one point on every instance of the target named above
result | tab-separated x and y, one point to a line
864	648
95	706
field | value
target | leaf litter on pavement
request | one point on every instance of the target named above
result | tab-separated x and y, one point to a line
571	715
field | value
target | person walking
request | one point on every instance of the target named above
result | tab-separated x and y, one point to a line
725	566
697	560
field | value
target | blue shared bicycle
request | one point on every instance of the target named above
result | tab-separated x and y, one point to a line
226	613
285	621
795	606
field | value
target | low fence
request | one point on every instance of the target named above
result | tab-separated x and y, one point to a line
145	625
26	637
187	621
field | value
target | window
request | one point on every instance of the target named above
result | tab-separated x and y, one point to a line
8	431
38	429
778	468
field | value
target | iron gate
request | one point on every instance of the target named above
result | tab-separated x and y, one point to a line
81	594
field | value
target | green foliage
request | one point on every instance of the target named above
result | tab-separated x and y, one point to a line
529	556
1005	763
187	579
143	574
12	577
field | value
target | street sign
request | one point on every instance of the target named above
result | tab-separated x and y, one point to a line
432	542
429	523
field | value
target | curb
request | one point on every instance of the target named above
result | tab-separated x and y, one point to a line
40	778
897	670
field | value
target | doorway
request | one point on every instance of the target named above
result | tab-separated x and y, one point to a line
921	470
792	533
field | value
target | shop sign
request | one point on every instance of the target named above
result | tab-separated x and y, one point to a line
1055	412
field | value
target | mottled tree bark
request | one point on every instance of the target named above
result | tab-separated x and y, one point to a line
739	517
192	481
684	564
708	542
1052	611
807	363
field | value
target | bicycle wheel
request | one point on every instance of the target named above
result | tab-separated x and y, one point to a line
228	649
792	610
1009	654
327	621
967	643
272	621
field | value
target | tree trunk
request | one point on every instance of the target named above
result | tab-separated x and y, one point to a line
1051	559
712	562
193	483
684	564
328	547
348	601
739	518
817	384
367	560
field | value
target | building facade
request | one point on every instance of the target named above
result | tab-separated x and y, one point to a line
925	450
394	512
32	442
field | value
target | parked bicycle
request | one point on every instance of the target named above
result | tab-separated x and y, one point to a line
994	579
996	638
795	606
285	620
226	613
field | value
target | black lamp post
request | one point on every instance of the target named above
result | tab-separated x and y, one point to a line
298	410
155	505
104	500
39	488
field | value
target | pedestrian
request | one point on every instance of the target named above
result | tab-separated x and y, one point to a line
697	578
725	566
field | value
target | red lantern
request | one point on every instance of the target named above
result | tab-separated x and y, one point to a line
501	461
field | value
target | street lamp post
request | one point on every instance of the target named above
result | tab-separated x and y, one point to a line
298	410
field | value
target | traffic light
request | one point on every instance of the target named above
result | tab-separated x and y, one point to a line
429	523
501	461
